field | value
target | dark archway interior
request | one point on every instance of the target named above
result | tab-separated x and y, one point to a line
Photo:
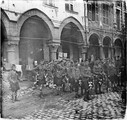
106	43
118	43
93	40
71	37
118	48
34	34
94	48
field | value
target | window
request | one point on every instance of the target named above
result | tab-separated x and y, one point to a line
118	18
106	13
68	7
93	11
118	3
89	6
49	2
71	7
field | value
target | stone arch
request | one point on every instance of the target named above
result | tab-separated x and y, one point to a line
5	21
36	29
94	39
74	21
35	12
107	41
3	42
93	33
107	46
118	41
118	45
71	36
94	46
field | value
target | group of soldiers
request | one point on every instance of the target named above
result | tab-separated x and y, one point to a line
84	78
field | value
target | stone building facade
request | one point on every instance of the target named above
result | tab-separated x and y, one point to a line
49	29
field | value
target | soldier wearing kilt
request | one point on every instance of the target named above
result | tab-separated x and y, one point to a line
58	80
97	70
112	76
85	72
14	83
71	77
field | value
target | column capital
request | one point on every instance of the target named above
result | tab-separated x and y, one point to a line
14	38
12	43
84	49
53	46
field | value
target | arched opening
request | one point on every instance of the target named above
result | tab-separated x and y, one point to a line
71	38
3	43
94	48
118	48
106	48
33	36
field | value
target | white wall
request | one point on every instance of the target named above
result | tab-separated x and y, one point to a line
57	14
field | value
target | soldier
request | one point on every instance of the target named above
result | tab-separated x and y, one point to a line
14	83
97	70
85	72
112	75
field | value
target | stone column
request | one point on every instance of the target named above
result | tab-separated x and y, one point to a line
100	15
53	49
109	52
71	51
114	11
112	52
101	52
12	52
83	52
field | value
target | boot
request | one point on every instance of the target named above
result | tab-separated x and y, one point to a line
13	98
16	97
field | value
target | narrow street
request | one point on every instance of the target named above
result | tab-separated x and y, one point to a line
61	107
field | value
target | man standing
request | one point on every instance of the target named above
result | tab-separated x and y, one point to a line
14	83
85	75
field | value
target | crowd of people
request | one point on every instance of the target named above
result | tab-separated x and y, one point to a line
85	78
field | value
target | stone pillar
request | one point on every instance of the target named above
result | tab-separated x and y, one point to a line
100	15
83	52
114	11
53	49
12	52
109	52
101	52
112	52
71	51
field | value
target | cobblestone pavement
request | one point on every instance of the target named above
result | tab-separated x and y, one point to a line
20	93
104	106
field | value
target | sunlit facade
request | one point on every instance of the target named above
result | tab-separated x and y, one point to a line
52	29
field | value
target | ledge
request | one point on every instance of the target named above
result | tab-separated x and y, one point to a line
51	6
73	12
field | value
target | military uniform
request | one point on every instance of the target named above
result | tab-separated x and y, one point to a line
112	73
97	70
85	73
14	83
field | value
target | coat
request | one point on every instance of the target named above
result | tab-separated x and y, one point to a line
13	80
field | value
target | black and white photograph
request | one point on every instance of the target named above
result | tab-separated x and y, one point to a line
63	59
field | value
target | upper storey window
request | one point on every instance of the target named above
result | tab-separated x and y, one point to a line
68	7
49	2
106	14
118	19
93	11
118	3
